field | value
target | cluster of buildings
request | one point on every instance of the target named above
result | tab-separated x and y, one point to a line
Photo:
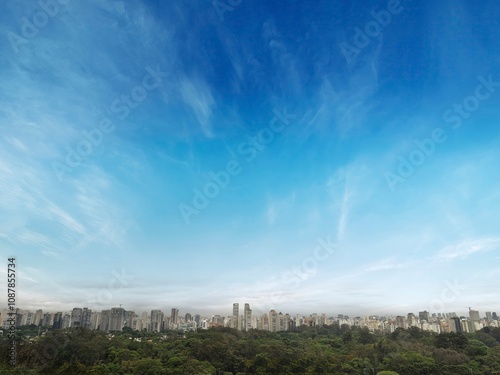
117	318
114	319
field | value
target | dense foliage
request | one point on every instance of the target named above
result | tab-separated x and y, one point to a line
306	350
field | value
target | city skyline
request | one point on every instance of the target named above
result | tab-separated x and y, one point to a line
118	319
327	156
192	312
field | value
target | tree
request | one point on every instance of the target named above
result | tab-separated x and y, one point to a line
148	366
476	348
450	357
412	363
452	340
347	337
366	337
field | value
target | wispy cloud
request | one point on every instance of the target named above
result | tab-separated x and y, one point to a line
468	248
278	207
197	95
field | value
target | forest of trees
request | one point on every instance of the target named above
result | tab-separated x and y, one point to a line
305	350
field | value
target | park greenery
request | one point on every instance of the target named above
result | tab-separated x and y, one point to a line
224	351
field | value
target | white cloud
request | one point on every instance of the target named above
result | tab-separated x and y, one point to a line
468	247
197	95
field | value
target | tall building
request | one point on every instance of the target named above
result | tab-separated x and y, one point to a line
197	319
218	321
129	316
76	317
411	320
235	316
273	321
474	315
58	318
156	320
136	324
117	319
38	317
489	317
455	325
264	322
467	325
47	319
187	317
247	317
494	316
27	318
174	318
288	322
86	314
401	322
423	315
281	322
105	320
166	323
95	320
66	320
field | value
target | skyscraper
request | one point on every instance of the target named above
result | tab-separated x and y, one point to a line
105	320
401	322
264	322
156	320
474	315
247	317
38	317
273	321
117	319
76	317
66	321
47	320
57	320
455	325
489	317
235	316
288	322
174	317
281	322
86	314
423	315
411	319
129	317
95	320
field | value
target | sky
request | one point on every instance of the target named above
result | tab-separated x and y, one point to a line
332	157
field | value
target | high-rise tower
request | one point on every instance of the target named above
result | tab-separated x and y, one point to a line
235	317
247	317
174	317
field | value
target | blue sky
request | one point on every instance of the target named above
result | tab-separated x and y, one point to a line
311	144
